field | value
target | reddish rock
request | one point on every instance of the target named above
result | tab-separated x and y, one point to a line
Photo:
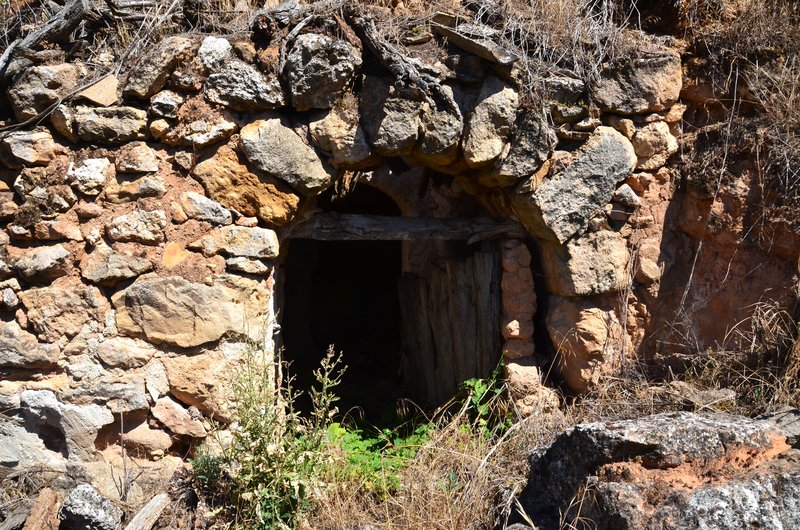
143	439
203	381
63	308
177	419
229	182
589	340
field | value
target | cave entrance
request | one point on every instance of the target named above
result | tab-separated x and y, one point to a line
405	331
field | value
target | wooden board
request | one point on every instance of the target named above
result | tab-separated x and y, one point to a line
356	227
451	324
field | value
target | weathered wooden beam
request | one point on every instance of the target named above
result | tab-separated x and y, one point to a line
56	29
354	227
44	514
148	515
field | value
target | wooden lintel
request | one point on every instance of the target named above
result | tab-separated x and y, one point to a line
354	227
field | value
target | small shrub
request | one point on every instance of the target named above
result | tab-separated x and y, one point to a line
266	477
487	404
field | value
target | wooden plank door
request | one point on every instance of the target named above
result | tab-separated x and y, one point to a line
451	324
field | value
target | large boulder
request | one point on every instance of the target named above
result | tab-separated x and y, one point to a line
319	69
90	175
176	418
86	509
43	264
339	133
561	205
440	134
21	450
122	191
77	424
63	308
172	310
204	381
228	181
38	87
110	125
20	349
139	226
27	148
491	122
532	144
136	157
277	150
241	86
669	471
654	144
214	52
150	73
198	206
107	267
239	241
119	393
124	352
593	263
143	440
650	83
390	118
589	339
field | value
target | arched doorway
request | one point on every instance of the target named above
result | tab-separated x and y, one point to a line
344	293
413	302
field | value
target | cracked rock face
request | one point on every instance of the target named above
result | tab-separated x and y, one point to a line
229	181
277	150
39	87
390	119
171	310
86	509
491	122
672	471
561	205
242	87
647	84
20	349
319	69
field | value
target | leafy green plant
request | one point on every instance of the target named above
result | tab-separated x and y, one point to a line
209	475
485	403
376	459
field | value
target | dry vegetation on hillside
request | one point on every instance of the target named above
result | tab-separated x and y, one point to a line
748	51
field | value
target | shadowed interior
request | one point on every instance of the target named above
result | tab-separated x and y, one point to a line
345	293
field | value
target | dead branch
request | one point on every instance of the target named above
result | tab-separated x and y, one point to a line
408	73
54	30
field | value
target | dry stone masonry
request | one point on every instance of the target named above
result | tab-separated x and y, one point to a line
142	230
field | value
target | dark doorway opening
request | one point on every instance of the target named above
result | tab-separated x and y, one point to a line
345	293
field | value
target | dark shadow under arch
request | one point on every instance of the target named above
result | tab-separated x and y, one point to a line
345	293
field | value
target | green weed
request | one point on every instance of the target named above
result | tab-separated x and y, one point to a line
484	403
375	460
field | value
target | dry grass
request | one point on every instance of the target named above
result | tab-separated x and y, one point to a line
459	480
463	481
751	50
764	373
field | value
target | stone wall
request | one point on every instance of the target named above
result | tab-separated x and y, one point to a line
143	219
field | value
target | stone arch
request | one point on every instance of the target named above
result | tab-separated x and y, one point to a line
466	300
